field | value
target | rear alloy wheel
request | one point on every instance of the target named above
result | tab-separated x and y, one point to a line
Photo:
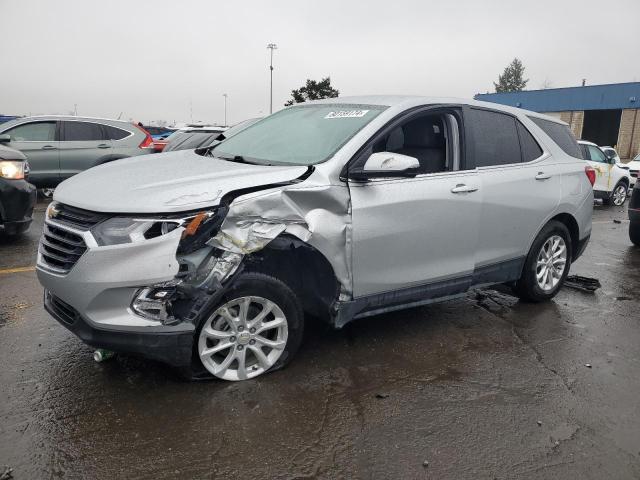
619	194
551	262
257	328
547	264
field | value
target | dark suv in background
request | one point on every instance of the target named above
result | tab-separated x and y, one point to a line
634	215
58	147
17	196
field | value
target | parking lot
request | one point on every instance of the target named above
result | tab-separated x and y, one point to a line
484	387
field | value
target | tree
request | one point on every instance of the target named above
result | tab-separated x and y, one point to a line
511	79
313	90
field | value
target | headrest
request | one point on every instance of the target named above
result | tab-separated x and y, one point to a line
423	133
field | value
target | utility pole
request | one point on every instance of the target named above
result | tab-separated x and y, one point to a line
225	108
75	109
272	47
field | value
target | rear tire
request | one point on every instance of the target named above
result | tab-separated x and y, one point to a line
634	233
547	264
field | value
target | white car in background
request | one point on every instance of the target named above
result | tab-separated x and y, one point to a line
610	152
612	181
634	168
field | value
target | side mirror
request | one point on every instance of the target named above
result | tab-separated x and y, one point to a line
387	164
5	138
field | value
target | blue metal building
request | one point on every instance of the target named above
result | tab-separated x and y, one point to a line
604	114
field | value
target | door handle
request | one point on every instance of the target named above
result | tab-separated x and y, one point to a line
462	188
48	147
542	176
103	145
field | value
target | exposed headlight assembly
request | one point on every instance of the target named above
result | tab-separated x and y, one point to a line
121	230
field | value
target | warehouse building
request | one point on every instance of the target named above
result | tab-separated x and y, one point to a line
603	114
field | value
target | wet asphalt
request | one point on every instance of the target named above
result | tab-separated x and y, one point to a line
483	387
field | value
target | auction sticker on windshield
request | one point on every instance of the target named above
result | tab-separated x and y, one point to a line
347	114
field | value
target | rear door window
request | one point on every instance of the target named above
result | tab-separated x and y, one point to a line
560	134
33	132
495	138
81	132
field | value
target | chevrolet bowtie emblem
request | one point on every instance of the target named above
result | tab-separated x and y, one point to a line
53	211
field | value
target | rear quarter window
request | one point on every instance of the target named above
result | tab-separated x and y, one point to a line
114	133
560	134
530	148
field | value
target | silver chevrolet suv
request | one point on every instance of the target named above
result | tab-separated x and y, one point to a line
211	260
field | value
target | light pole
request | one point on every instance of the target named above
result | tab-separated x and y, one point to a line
272	47
225	108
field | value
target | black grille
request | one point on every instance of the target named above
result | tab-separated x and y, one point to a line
63	311
76	217
633	173
60	249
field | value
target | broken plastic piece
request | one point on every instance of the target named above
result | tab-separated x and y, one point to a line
584	284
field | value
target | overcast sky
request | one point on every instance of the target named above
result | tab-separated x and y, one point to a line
152	60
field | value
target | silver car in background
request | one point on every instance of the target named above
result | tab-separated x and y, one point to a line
336	209
58	147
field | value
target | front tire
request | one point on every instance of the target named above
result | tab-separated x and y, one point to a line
547	264
634	233
256	328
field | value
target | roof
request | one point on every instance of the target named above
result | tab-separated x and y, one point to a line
403	102
69	117
591	97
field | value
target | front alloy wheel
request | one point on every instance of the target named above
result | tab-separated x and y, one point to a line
243	338
619	195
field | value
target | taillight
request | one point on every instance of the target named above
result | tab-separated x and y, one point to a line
591	174
148	141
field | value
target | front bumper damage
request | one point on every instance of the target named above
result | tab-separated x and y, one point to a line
109	298
149	298
168	344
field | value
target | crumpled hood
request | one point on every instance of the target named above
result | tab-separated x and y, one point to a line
164	183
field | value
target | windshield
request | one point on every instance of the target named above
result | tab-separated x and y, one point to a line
302	135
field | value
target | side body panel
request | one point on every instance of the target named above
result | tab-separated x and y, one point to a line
516	199
408	232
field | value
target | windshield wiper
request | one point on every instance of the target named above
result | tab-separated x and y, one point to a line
237	159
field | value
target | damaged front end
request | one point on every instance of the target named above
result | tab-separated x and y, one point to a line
145	283
309	218
202	269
